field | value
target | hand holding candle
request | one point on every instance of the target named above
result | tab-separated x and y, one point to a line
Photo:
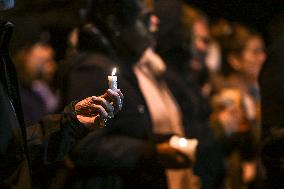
186	146
94	111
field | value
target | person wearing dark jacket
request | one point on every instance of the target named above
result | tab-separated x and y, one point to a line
272	113
132	152
25	151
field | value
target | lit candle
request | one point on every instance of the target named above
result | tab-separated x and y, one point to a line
186	146
182	142
112	80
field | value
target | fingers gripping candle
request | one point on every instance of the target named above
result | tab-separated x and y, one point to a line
112	80
112	84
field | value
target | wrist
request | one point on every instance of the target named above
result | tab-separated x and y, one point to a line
79	129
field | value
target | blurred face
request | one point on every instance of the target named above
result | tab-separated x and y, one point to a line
154	24
40	62
134	38
253	57
148	16
200	36
229	112
231	119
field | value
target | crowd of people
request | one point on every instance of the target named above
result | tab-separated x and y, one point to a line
191	115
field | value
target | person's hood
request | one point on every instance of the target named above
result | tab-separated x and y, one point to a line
90	39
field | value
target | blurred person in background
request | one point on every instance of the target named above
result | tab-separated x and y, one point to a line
178	45
198	35
182	38
37	68
72	41
236	104
243	56
219	30
183	41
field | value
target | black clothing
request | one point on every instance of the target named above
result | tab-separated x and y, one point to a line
49	141
13	157
272	88
272	113
13	144
209	163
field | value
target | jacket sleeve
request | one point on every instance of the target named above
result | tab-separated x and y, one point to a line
103	150
53	137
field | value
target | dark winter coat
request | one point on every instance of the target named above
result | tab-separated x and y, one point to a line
24	152
272	113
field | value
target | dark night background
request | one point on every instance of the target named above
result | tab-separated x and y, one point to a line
58	17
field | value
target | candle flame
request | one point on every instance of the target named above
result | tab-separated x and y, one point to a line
113	72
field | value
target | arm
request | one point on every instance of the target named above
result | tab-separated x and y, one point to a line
105	151
53	137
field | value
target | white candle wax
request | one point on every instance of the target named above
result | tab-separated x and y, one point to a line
186	146
112	80
182	142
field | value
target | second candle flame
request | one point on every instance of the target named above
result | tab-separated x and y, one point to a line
113	72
